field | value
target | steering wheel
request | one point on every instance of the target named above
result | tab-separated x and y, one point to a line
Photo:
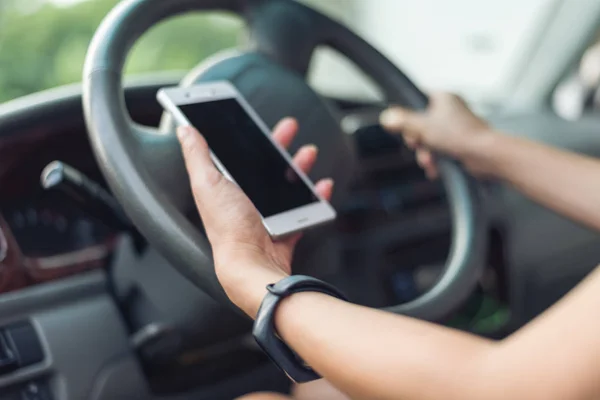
144	168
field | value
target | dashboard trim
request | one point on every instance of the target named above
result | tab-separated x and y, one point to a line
90	254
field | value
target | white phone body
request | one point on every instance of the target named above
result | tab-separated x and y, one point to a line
278	225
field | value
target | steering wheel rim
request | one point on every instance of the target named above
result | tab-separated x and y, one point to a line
139	161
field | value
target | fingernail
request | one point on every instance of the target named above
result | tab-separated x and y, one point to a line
330	182
288	120
390	117
312	147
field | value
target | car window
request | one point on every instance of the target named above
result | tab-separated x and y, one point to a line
43	42
579	92
473	47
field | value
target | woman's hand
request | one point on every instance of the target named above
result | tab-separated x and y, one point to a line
447	127
246	258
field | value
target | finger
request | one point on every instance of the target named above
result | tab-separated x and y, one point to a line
290	243
424	157
427	161
432	172
411	141
285	132
398	119
194	147
325	188
306	157
446	98
201	170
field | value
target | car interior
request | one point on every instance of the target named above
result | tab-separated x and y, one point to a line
107	288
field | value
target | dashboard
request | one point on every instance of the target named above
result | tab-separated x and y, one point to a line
46	228
388	245
44	236
50	237
393	220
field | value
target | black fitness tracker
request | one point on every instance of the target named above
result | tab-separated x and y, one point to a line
264	327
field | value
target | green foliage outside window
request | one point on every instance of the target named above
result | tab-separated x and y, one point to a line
43	45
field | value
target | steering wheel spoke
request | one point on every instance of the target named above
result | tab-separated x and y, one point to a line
285	32
161	156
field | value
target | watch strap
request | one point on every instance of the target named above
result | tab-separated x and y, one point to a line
265	333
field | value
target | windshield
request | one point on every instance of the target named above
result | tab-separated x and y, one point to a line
472	47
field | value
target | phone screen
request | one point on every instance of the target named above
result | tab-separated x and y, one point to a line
249	156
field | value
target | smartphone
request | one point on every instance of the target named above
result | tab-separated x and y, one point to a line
243	150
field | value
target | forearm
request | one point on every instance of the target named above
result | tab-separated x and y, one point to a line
562	181
370	354
557	356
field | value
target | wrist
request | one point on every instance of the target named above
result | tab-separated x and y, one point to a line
477	155
294	305
247	285
269	326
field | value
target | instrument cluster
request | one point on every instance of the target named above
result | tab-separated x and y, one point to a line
45	238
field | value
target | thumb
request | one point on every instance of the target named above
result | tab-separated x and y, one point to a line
398	119
205	178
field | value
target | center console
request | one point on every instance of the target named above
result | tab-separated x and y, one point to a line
395	226
58	339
